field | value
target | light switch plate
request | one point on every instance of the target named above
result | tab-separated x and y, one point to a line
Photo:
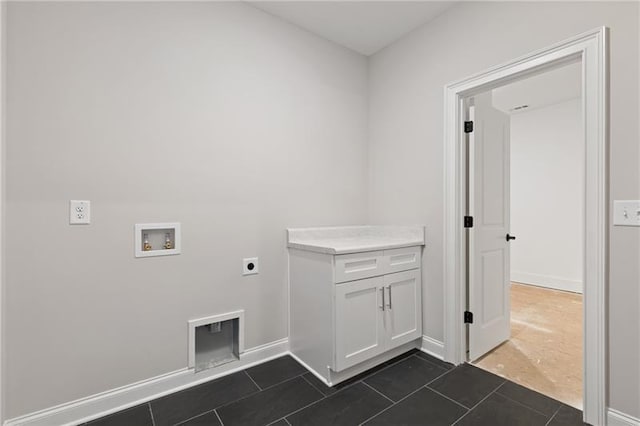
79	212
626	212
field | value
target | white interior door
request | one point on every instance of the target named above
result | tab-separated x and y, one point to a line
489	274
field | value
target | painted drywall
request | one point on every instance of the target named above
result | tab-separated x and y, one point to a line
3	127
215	115
406	82
547	196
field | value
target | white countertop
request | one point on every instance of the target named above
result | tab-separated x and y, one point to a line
354	239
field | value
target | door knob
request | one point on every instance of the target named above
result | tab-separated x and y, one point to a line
510	237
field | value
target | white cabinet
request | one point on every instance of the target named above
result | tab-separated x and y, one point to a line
374	315
350	312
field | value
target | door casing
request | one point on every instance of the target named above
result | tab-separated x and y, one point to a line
591	49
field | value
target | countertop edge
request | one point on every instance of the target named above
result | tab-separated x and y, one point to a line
334	251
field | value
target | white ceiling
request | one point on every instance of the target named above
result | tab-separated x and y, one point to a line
549	88
363	26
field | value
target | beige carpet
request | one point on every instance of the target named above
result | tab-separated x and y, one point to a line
545	349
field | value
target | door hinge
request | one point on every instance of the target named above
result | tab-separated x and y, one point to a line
468	126
468	317
468	221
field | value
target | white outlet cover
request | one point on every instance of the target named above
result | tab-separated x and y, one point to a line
79	212
250	266
626	212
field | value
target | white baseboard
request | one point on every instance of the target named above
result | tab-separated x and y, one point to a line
114	400
433	347
616	418
547	281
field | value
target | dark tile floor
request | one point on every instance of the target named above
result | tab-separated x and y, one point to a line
412	389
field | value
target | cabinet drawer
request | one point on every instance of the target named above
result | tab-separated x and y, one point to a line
349	267
402	259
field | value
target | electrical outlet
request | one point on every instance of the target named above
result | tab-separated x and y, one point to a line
250	266
626	212
79	212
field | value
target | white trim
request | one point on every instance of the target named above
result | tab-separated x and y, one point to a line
548	281
592	49
192	324
617	418
432	347
3	84
114	400
308	367
3	52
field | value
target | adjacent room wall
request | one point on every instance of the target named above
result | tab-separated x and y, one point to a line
547	196
216	115
406	82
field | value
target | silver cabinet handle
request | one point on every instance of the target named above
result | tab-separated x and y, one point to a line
382	290
389	305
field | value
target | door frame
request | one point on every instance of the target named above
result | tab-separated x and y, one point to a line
591	48
3	76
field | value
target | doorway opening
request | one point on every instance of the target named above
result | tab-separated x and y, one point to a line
591	50
526	152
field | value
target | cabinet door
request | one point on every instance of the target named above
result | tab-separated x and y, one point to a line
359	327
403	307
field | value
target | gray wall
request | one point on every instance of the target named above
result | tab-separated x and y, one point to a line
406	83
177	112
215	115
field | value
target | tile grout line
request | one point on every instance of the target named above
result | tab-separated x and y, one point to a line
347	387
340	390
218	416
523	404
359	380
312	385
449	398
391	406
276	421
421	387
433	363
251	378
441	375
378	392
235	400
306	406
254	393
181	422
153	421
480	402
407	396
554	415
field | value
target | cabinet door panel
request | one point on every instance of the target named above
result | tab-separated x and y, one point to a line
359	327
404	307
